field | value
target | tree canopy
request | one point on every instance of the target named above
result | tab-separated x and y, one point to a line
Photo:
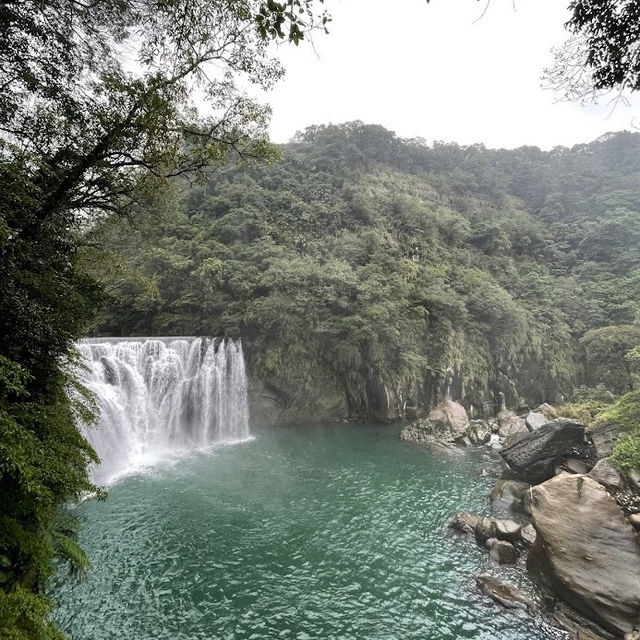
603	51
101	104
364	261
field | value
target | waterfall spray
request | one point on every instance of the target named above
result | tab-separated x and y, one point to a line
162	395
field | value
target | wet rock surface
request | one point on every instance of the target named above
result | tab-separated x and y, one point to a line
503	593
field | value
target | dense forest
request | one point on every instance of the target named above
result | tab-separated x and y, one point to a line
369	275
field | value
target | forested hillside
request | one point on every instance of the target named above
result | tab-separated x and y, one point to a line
367	274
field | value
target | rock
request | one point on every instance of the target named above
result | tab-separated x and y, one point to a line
479	432
503	593
605	473
634	519
547	411
494	442
579	627
446	423
587	551
509	423
576	466
507	530
535	457
528	534
489	542
509	494
450	417
484	527
464	441
512	438
502	551
499	528
464	522
535	420
604	438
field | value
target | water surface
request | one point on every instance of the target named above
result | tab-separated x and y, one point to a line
308	533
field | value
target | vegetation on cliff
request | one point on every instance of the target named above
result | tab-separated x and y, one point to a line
379	271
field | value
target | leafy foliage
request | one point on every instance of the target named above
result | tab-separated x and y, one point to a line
606	356
99	108
364	265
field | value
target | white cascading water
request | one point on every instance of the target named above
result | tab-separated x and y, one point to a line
159	396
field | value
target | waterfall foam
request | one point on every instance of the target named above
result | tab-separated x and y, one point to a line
159	396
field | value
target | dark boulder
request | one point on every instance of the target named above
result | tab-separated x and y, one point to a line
535	457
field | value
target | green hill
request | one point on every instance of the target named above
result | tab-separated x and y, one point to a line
366	273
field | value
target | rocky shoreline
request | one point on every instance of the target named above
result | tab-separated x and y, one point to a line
573	515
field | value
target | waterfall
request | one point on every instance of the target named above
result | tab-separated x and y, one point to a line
159	396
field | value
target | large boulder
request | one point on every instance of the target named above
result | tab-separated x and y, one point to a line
450	418
447	423
535	457
509	424
587	551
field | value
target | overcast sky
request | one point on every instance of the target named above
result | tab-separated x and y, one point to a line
427	70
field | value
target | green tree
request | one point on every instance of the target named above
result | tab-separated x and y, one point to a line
100	106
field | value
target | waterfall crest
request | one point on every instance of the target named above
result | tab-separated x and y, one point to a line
162	395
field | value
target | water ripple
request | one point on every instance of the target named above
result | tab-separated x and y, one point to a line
335	532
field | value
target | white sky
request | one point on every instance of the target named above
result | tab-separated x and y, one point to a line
428	70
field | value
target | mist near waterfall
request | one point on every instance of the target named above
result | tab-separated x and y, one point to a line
160	398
